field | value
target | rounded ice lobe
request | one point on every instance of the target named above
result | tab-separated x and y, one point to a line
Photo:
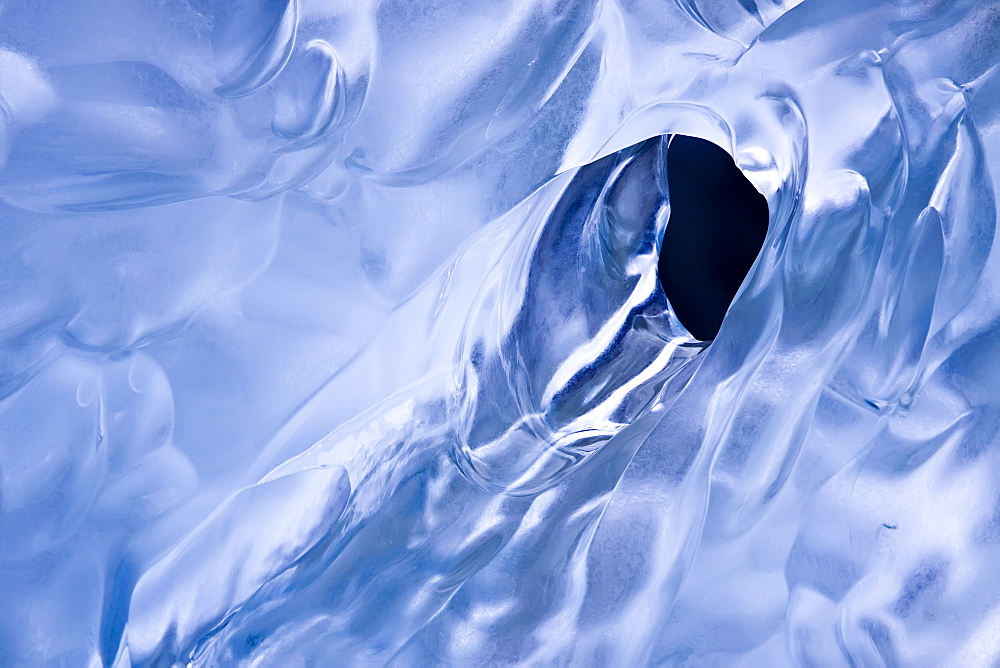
311	105
332	334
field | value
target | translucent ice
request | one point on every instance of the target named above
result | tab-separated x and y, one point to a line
330	334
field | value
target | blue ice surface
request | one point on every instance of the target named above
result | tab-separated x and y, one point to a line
330	335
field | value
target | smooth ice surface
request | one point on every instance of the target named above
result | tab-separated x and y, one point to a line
330	334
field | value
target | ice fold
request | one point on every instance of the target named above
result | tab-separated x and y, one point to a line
247	541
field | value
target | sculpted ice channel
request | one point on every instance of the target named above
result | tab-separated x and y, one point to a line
331	334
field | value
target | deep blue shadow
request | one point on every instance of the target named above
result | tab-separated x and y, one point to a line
716	229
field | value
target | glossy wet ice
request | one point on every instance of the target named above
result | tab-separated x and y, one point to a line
332	334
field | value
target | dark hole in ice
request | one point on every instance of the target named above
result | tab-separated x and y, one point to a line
717	225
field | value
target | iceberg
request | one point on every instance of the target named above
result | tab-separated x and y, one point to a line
334	334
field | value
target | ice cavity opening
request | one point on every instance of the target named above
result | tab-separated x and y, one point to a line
716	229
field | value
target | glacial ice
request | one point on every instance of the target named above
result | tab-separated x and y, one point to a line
330	334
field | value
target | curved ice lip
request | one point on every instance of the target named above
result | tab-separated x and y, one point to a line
268	59
327	109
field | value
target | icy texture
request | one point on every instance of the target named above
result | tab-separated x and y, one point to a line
330	335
